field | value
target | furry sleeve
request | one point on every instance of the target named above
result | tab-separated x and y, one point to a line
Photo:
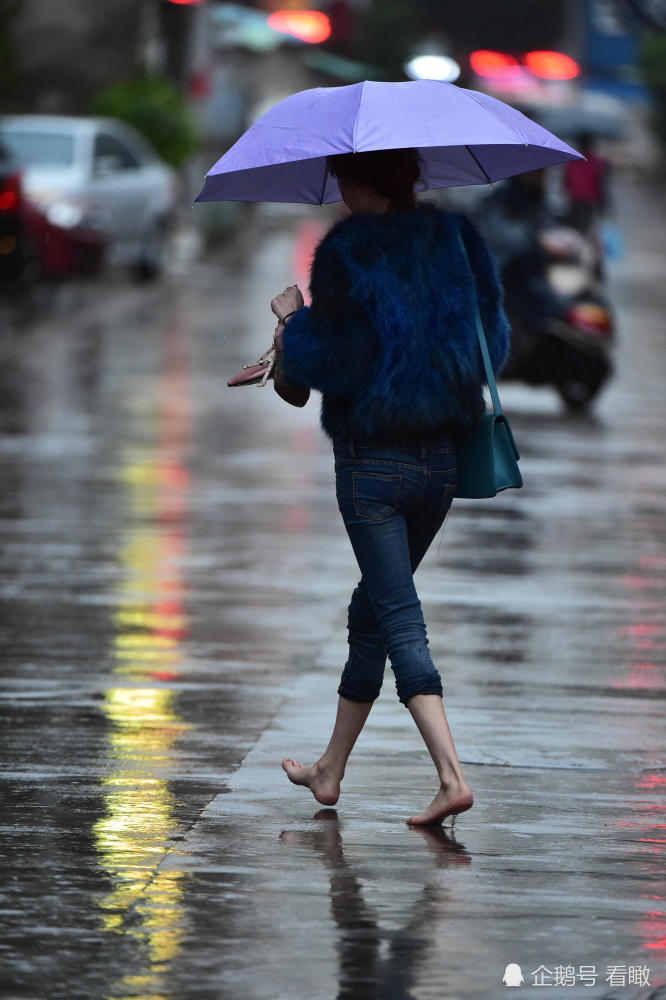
327	345
489	291
303	361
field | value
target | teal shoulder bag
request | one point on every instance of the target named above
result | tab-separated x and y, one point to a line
487	453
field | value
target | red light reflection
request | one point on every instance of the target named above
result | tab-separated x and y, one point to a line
652	781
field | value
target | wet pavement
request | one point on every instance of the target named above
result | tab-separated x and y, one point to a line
174	581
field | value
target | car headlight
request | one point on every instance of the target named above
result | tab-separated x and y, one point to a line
58	209
64	214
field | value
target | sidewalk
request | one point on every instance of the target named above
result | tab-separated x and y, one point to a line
352	903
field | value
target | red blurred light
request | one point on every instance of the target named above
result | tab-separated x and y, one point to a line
199	85
8	200
552	65
309	25
653	781
642	628
542	63
484	62
591	318
9	195
659	944
185	3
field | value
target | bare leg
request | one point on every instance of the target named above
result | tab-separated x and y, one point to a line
454	795
323	778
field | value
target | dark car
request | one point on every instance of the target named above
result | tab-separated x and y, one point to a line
14	242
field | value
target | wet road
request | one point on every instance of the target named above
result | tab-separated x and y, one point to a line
174	580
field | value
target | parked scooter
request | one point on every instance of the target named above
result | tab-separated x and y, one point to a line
563	329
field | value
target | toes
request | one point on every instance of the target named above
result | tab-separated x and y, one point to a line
428	818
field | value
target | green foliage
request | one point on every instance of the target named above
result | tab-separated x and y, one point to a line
154	107
653	65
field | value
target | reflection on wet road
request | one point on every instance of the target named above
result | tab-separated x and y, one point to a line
174	579
377	961
140	823
138	829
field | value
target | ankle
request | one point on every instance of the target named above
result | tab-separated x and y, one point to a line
327	767
452	780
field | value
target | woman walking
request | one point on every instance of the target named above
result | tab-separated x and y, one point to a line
390	341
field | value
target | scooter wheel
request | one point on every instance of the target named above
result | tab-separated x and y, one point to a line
577	395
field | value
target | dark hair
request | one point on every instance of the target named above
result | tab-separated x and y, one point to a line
392	173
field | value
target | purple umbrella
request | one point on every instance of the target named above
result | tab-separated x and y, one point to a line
463	137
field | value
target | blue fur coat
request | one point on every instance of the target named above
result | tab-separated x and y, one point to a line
390	338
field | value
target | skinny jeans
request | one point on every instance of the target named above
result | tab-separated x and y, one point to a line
393	500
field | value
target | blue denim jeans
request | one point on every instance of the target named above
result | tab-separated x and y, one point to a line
393	500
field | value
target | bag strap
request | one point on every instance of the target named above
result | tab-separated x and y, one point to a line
485	354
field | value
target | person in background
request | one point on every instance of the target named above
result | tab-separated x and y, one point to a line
586	183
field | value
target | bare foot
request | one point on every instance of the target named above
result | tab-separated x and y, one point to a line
324	788
448	802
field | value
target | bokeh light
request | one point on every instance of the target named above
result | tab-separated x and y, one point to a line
433	67
487	63
309	25
552	65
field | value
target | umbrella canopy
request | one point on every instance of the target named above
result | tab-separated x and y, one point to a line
463	137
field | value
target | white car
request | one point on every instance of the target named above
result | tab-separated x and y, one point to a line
97	172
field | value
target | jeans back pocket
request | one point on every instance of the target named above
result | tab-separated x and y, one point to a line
375	494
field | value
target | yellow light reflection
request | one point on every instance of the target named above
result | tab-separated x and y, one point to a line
140	822
139	825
